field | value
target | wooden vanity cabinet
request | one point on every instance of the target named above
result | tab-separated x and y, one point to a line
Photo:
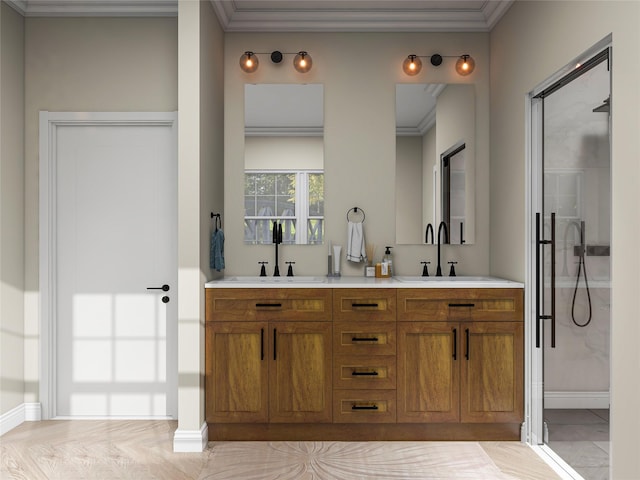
461	355
364	362
269	371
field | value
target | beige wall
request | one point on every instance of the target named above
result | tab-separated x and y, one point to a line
359	72
531	42
12	334
86	64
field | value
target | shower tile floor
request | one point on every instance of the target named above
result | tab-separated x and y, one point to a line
581	438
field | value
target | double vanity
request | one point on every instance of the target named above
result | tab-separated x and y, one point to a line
351	358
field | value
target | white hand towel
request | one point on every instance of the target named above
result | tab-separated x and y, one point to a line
356	251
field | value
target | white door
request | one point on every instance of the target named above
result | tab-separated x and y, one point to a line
115	235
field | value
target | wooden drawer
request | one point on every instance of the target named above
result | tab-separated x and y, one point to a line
462	304
364	304
354	338
364	406
359	372
262	304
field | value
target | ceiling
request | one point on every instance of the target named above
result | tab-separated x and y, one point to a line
300	15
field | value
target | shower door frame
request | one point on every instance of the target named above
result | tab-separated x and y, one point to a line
534	429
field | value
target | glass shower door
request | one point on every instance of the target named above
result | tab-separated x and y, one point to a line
573	266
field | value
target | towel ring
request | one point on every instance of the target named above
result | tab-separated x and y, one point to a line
356	210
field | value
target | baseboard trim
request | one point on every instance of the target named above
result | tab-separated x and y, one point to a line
25	412
185	441
592	400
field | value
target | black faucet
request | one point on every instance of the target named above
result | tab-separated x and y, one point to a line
290	269
446	240
425	270
277	240
452	270
426	234
263	270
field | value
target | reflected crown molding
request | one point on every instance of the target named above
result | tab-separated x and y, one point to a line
283	131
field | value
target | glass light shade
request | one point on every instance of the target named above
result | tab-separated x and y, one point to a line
249	62
302	62
465	65
412	65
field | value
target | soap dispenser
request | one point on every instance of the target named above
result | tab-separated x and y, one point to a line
388	260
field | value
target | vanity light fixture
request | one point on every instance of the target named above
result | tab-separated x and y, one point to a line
465	65
302	61
412	64
249	62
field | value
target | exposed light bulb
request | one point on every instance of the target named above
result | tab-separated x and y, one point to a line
249	62
302	63
412	65
465	65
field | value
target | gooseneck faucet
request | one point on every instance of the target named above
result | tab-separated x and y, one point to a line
442	226
277	240
426	234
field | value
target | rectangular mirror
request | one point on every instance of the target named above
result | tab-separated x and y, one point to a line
435	168
284	163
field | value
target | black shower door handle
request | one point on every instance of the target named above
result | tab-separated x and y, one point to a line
540	242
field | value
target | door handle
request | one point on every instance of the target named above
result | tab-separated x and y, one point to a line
455	343
539	315
164	288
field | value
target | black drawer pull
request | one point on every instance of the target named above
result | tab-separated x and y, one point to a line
364	339
356	305
364	407
272	305
362	374
462	304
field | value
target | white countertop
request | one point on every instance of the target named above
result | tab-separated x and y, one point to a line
362	282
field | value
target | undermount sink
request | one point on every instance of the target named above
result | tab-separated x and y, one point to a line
298	279
445	279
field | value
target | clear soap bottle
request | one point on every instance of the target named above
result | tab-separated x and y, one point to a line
388	260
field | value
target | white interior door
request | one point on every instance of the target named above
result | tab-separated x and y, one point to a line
115	235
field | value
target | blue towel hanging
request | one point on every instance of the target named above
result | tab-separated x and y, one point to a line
216	252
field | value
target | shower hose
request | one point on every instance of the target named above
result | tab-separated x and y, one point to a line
582	268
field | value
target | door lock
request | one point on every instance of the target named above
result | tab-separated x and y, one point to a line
165	299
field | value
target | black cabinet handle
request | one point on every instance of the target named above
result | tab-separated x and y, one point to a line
364	407
364	339
262	344
462	305
466	352
455	343
357	305
164	288
274	343
272	305
362	374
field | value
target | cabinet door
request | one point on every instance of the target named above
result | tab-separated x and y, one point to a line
237	369
300	372
492	372
428	372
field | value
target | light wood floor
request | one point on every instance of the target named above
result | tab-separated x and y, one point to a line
89	449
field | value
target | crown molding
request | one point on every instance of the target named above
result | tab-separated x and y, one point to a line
482	19
233	19
95	8
283	131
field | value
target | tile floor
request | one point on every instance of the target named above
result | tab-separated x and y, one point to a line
581	438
